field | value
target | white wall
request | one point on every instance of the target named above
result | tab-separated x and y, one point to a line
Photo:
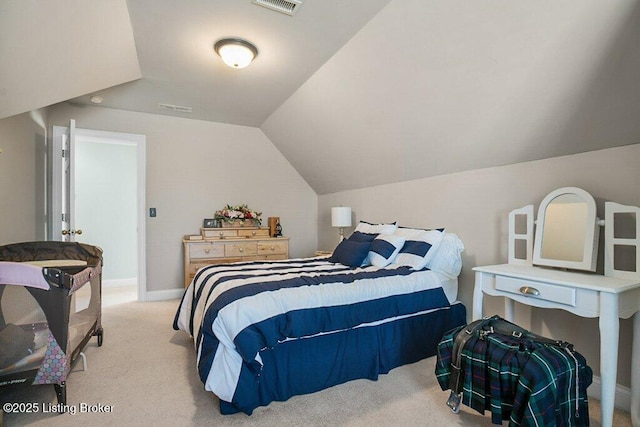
475	205
22	178
196	167
53	51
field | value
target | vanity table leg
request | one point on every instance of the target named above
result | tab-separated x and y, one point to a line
508	309
478	296
635	372
609	336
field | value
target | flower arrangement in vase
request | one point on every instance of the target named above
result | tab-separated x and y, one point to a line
238	216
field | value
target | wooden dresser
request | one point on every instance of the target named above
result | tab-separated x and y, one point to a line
220	245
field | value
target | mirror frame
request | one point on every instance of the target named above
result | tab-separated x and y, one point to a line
590	249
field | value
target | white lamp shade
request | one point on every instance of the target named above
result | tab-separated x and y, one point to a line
341	217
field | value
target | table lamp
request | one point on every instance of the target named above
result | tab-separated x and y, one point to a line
341	217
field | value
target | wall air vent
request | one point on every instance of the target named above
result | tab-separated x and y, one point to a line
288	7
177	108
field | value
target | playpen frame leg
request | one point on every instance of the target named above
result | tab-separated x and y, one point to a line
61	392
84	361
100	334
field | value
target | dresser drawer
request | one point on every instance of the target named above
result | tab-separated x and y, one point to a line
205	250
240	249
254	232
537	290
218	233
193	267
273	248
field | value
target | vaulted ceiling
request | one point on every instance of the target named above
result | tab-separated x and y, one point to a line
353	93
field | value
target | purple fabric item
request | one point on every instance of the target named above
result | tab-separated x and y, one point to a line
22	274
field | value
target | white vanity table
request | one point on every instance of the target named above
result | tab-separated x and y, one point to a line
609	297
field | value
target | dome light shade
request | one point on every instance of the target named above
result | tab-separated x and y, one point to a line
236	53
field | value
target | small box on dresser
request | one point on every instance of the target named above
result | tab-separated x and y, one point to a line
224	245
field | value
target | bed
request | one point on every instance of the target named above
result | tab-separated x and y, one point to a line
265	331
43	329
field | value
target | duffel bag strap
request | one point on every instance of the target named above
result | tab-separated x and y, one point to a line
456	378
504	327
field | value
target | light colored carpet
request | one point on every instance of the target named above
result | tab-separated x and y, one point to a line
145	372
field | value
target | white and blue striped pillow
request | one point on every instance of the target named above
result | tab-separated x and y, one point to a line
384	249
419	246
369	228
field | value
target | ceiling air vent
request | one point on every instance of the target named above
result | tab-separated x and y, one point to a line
172	107
288	7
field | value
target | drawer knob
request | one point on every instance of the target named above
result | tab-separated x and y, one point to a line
253	233
529	291
273	248
207	250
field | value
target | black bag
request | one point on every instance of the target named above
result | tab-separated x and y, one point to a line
492	364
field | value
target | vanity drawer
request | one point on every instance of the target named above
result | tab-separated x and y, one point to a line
240	249
537	290
205	250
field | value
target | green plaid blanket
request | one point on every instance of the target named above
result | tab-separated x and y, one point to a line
519	380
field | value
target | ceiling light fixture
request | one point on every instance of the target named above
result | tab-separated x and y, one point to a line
96	99
236	53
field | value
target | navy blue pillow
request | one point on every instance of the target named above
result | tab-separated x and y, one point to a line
350	253
358	236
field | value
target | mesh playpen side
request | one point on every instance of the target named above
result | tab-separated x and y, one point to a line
47	313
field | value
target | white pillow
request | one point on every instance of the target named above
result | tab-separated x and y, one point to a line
384	249
419	246
447	257
368	228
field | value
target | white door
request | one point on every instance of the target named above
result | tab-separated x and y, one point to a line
62	221
66	208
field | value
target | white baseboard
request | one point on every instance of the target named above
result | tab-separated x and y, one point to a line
623	394
164	295
117	283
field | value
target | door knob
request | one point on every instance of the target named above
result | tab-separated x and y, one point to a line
65	232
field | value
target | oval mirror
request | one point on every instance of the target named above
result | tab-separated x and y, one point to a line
566	231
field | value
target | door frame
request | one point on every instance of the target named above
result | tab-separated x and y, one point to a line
57	182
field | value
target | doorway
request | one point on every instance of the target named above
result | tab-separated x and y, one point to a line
103	172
